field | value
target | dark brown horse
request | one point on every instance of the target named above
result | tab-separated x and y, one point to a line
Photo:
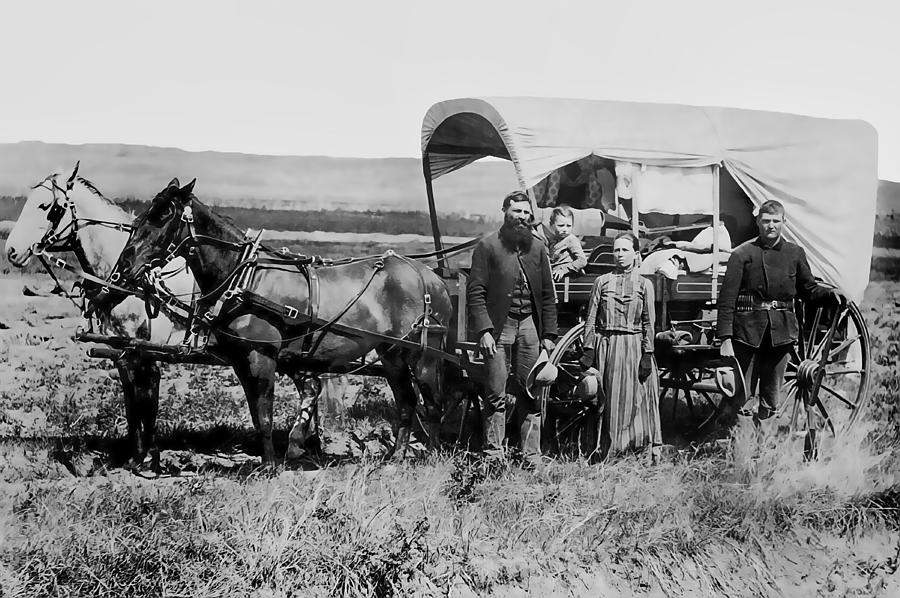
286	316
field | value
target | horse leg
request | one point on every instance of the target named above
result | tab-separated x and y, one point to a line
127	377
429	374
242	371
304	435
399	378
148	397
257	377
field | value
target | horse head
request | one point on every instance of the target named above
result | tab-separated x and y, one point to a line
158	234
47	221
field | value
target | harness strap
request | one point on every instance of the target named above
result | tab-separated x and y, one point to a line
240	278
447	251
312	279
323	330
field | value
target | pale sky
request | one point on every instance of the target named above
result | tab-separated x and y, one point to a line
355	78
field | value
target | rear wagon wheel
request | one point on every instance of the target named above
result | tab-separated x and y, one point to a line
827	376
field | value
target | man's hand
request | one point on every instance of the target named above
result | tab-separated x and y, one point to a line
559	273
548	344
727	349
645	368
487	345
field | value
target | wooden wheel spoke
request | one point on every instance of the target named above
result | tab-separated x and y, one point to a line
813	330
842	372
836	324
571	371
709	400
576	419
838	395
825	415
795	409
845	344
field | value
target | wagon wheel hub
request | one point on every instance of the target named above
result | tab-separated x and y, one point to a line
806	373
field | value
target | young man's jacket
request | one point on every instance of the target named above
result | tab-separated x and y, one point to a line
495	268
757	273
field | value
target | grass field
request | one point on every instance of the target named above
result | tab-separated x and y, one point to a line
725	520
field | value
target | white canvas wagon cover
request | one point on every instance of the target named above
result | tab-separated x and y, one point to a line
824	171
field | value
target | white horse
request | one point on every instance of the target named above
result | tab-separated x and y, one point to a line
70	214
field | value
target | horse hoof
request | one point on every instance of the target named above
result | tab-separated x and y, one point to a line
294	452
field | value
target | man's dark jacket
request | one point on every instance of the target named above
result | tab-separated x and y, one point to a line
495	268
766	273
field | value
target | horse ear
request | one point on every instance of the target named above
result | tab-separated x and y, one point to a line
189	188
71	181
174	183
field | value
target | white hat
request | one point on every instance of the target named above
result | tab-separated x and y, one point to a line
730	379
588	386
543	373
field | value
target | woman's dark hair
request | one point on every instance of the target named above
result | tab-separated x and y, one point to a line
634	240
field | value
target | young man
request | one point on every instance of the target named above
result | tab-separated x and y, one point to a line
756	319
512	309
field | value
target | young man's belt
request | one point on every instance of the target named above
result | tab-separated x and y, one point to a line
749	303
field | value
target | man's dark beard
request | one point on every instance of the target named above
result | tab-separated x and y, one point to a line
516	237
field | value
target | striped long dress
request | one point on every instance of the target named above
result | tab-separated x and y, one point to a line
619	326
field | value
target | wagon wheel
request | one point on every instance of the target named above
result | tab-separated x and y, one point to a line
691	401
570	423
828	373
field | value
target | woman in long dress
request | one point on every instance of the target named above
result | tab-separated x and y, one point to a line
618	342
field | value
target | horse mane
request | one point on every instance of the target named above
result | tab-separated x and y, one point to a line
221	219
93	189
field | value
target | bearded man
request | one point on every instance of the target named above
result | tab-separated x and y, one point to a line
513	312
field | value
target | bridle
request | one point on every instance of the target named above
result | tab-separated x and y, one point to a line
66	239
58	240
187	246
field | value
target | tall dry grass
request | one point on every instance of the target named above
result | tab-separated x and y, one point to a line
699	525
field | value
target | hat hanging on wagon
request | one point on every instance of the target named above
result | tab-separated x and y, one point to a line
588	386
542	374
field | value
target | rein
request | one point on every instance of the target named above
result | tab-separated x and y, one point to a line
231	294
66	239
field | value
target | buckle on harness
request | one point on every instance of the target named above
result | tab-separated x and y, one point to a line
59	262
291	312
187	215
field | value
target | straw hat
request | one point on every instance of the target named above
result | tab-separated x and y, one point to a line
543	373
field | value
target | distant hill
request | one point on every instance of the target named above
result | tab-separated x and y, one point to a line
888	197
279	182
285	182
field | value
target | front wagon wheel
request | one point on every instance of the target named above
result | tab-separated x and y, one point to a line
570	424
